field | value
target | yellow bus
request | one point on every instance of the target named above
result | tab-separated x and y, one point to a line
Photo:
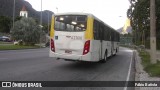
82	37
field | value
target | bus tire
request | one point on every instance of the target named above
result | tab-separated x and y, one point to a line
105	57
116	52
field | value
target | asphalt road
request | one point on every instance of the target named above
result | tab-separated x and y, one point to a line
36	65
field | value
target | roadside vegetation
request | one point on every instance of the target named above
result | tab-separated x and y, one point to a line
151	69
27	31
16	47
1	42
139	15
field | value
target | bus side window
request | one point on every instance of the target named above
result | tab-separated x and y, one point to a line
101	31
108	35
95	30
105	33
118	37
112	35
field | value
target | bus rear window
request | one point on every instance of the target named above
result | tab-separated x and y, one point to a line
70	23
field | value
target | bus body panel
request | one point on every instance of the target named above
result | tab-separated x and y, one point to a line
69	42
91	56
106	47
87	57
95	49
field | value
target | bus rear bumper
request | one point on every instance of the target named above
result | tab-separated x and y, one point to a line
72	57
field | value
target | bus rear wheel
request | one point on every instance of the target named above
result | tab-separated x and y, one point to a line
116	52
105	58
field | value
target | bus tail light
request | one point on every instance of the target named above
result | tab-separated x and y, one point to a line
52	45
86	47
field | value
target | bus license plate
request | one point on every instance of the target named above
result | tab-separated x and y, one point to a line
68	51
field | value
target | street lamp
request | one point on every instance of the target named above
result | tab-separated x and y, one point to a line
40	25
41	14
57	9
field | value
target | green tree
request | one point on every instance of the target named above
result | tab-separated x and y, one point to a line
18	18
27	30
45	28
139	14
140	20
5	24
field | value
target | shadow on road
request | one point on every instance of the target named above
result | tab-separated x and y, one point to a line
87	66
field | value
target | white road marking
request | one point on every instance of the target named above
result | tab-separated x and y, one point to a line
129	72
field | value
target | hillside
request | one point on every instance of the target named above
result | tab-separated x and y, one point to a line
120	30
128	30
6	9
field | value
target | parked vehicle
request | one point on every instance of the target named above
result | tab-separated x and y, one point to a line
5	38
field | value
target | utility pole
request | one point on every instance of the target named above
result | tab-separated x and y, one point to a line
152	32
47	35
13	13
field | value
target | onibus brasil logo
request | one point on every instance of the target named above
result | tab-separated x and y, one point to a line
19	84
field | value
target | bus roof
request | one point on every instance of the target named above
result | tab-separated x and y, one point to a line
87	14
72	13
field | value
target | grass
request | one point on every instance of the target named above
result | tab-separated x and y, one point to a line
16	47
151	69
145	58
1	42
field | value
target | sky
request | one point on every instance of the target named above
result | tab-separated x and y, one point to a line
112	12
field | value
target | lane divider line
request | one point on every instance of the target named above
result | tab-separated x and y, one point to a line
129	71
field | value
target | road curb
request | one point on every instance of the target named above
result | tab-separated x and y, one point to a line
137	68
141	75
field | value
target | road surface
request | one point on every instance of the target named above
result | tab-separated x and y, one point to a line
36	65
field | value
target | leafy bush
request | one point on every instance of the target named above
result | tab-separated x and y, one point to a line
26	30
